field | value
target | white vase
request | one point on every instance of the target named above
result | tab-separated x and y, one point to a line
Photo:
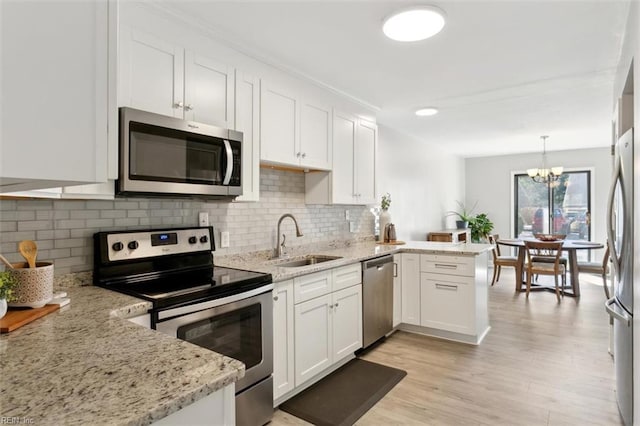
385	219
3	307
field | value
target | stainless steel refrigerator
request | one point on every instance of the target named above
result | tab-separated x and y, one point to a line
620	233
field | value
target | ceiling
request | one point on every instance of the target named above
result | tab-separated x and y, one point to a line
502	73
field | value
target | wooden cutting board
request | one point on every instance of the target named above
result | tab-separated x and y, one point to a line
391	243
16	318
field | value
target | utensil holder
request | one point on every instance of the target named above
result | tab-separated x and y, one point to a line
35	285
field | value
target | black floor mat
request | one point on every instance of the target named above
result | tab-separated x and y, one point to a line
345	395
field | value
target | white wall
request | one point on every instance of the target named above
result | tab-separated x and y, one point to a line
424	182
489	181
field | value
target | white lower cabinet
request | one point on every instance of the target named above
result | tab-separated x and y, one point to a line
347	322
317	323
445	295
411	288
283	379
313	337
447	302
397	290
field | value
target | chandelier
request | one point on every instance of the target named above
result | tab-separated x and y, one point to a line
543	174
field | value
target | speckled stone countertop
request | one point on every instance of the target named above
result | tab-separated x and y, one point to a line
87	365
349	254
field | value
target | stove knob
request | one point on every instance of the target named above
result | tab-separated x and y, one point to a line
117	246
204	239
193	240
133	245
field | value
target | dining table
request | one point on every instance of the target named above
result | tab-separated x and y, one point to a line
570	246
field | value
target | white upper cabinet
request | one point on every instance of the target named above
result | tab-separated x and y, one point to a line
365	162
159	76
247	116
209	91
280	124
353	178
295	131
315	135
55	93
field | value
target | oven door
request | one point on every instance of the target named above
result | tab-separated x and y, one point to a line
239	327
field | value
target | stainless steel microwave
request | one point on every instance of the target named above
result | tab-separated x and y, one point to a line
169	157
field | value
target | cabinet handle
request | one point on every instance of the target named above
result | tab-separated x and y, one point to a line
330	306
188	107
395	270
336	305
179	105
304	155
275	298
447	286
298	154
443	265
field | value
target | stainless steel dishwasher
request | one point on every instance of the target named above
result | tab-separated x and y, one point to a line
377	299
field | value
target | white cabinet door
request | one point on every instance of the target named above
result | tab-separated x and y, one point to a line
347	322
280	124
54	89
411	288
247	118
313	349
209	91
283	351
315	135
447	303
344	137
365	162
151	73
397	290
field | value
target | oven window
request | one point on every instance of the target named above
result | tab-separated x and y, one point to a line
236	334
169	155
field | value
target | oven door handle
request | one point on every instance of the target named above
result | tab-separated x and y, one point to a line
229	172
189	309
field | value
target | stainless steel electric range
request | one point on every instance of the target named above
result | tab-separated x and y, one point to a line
229	311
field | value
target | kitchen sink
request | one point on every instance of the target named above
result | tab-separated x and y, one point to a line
311	259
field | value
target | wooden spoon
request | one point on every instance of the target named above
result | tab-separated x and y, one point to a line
6	262
29	250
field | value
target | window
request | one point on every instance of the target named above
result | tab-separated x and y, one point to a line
560	208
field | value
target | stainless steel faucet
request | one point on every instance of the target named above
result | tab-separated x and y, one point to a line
281	246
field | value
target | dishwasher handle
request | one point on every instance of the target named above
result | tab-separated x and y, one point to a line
378	262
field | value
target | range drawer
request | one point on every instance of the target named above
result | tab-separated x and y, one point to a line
450	265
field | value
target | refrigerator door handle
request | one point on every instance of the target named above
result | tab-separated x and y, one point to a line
615	259
617	312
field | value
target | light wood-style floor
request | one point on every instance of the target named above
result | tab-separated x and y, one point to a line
542	363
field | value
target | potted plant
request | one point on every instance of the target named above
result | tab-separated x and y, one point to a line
480	226
385	217
465	215
7	283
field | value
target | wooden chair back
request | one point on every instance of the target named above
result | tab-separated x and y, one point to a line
493	238
547	252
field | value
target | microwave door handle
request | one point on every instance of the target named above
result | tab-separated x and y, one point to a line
227	175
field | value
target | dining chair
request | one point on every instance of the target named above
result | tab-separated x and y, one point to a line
550	252
600	268
498	260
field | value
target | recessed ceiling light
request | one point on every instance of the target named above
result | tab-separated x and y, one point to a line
417	23
425	112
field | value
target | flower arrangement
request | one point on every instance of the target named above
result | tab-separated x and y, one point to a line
386	201
7	283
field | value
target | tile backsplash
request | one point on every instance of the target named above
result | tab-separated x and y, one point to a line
63	229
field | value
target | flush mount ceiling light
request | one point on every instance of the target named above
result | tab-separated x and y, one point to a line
416	23
426	112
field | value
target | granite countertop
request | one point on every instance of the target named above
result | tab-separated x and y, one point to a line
349	254
86	364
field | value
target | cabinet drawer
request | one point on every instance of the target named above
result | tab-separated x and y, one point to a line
347	276
447	304
309	286
451	265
